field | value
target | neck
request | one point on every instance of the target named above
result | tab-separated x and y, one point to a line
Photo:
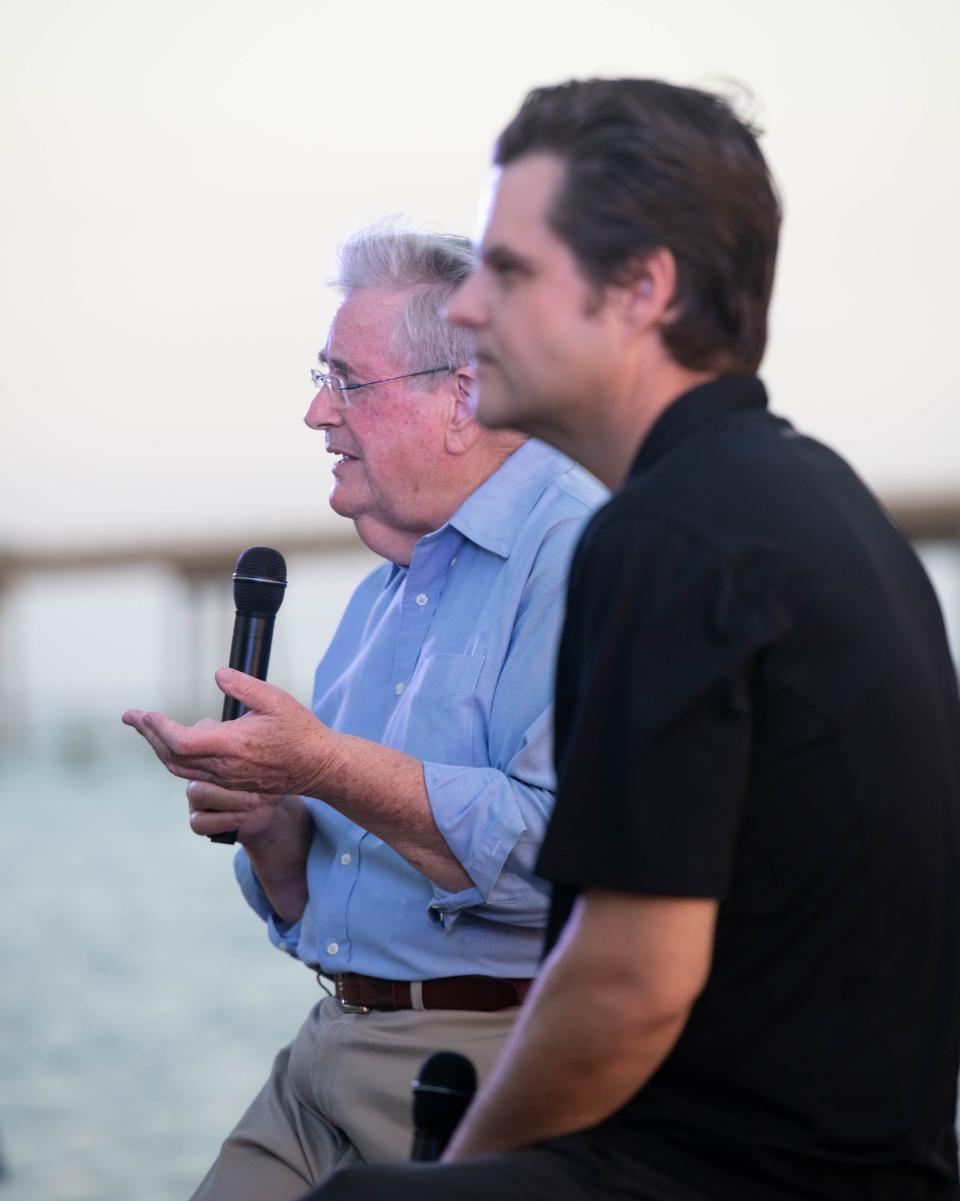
610	435
388	542
469	471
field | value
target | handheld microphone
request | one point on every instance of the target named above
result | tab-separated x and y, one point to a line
258	584
441	1095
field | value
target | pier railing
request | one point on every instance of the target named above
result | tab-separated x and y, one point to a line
203	567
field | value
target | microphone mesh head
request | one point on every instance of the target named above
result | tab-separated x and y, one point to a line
259	581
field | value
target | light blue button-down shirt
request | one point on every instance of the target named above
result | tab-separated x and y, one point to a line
452	661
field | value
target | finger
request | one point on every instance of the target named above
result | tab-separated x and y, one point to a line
256	695
136	718
205	796
207	823
160	748
187	771
183	741
198	769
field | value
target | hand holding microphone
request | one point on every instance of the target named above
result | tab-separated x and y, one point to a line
278	747
259	582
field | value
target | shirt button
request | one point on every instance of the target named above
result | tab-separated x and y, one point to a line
421	599
332	948
345	858
398	689
453	560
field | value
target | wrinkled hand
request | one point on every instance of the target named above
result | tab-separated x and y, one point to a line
277	748
213	810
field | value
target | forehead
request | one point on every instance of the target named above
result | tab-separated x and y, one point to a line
363	326
519	200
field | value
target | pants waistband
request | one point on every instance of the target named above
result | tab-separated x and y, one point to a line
484	994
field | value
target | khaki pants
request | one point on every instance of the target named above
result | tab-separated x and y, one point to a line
339	1095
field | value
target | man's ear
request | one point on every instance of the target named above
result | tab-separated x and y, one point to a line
648	296
462	427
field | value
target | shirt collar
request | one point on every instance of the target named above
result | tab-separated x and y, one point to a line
493	514
726	394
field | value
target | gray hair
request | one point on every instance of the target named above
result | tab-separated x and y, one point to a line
432	266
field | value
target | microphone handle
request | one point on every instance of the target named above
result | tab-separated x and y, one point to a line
249	653
429	1145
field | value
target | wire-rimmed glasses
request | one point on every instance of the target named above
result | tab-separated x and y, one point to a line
334	382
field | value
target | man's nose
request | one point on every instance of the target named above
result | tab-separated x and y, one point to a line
323	411
466	304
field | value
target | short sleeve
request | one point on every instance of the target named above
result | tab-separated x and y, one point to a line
654	708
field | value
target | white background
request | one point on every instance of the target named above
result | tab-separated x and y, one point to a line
176	176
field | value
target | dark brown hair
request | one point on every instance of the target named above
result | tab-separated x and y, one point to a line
652	165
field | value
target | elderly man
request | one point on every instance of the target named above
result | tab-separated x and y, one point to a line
752	986
389	835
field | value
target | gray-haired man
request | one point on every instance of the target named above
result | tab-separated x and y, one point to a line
389	835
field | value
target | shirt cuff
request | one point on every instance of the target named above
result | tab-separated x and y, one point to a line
284	935
480	819
446	907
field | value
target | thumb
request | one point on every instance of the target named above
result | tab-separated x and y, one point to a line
256	695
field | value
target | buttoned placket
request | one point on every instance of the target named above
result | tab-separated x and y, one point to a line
422	590
334	938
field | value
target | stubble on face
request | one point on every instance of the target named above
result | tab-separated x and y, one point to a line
534	314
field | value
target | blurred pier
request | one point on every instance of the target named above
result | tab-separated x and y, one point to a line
195	561
88	630
922	519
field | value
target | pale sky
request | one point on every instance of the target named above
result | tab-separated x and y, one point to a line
176	177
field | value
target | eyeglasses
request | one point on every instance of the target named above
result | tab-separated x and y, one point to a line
335	382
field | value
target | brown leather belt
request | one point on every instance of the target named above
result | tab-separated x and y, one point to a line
485	994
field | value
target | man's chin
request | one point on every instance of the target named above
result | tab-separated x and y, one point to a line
340	502
496	409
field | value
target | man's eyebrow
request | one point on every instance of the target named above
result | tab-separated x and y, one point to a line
499	255
339	365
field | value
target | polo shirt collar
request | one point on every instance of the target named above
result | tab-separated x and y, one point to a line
726	394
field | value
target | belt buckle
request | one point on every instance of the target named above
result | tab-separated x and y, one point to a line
345	1006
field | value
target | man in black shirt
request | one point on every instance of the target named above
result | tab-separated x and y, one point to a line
752	983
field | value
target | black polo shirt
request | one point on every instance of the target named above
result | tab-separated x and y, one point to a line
755	702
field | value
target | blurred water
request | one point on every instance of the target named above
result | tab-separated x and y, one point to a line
140	1004
140	1001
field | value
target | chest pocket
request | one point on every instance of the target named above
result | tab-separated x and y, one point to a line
442	708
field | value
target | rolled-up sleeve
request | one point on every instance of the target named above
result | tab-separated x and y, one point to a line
284	935
494	818
485	826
